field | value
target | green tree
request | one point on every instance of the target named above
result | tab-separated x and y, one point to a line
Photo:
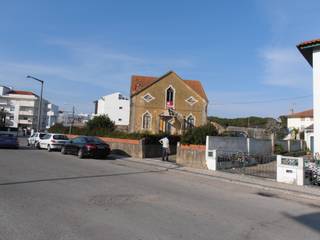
101	123
198	135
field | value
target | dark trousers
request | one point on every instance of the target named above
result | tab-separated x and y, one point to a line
165	154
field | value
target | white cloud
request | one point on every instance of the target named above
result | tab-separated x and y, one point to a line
285	67
101	69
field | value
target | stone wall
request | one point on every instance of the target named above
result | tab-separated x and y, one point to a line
192	156
134	148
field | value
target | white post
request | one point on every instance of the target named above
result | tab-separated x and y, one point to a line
211	156
248	145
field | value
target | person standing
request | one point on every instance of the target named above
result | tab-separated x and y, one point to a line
165	148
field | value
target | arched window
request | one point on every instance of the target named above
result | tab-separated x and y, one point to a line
190	122
146	121
170	97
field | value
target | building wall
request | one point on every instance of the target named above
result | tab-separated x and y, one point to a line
52	115
299	123
316	99
22	110
158	105
116	106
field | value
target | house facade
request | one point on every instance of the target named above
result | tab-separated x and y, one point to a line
311	52
116	106
166	104
300	120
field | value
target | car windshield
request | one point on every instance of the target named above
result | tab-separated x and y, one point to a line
93	140
41	135
60	137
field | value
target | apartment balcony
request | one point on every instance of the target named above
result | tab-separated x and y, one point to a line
27	103
22	121
26	113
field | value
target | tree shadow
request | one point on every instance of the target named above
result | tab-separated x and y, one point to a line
311	220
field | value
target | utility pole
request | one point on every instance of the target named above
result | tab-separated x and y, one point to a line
72	121
40	102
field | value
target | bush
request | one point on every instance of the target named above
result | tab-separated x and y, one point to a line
101	124
278	149
198	135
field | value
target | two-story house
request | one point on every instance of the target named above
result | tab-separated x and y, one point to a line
166	104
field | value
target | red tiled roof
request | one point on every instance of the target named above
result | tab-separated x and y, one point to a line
310	42
139	83
306	49
307	113
21	92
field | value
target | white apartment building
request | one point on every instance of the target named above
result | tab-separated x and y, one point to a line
21	108
116	106
52	115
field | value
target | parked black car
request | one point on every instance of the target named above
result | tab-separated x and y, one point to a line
8	140
85	146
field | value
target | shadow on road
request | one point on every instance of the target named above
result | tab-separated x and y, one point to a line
311	220
80	177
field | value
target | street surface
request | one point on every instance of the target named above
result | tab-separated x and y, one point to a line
46	196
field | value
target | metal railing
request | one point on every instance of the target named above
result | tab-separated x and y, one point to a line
249	164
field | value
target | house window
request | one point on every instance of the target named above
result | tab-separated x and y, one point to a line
146	121
148	97
170	97
191	100
190	122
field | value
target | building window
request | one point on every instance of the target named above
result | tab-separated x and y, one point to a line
170	97
11	117
191	100
190	122
11	108
146	121
120	107
120	119
148	97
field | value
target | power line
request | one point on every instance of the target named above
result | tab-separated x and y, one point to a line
261	101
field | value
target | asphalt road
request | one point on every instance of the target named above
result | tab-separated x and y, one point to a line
46	196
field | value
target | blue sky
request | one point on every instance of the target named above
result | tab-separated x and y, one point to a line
242	51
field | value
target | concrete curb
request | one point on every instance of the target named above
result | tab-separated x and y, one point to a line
308	192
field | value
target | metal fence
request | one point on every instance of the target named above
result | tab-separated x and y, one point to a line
243	163
312	170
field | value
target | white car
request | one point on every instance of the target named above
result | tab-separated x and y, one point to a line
34	139
53	141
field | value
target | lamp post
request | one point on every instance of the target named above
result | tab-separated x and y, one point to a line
40	102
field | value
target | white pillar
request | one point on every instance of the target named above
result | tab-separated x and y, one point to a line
316	99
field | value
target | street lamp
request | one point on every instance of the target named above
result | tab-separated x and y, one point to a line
40	102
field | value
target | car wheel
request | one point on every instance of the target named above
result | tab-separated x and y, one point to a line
80	153
49	148
63	151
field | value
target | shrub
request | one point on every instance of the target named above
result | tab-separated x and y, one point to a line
198	135
101	124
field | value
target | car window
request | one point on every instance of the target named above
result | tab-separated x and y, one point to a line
46	136
5	135
60	137
93	140
42	135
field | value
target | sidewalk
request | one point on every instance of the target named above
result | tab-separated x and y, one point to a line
310	192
